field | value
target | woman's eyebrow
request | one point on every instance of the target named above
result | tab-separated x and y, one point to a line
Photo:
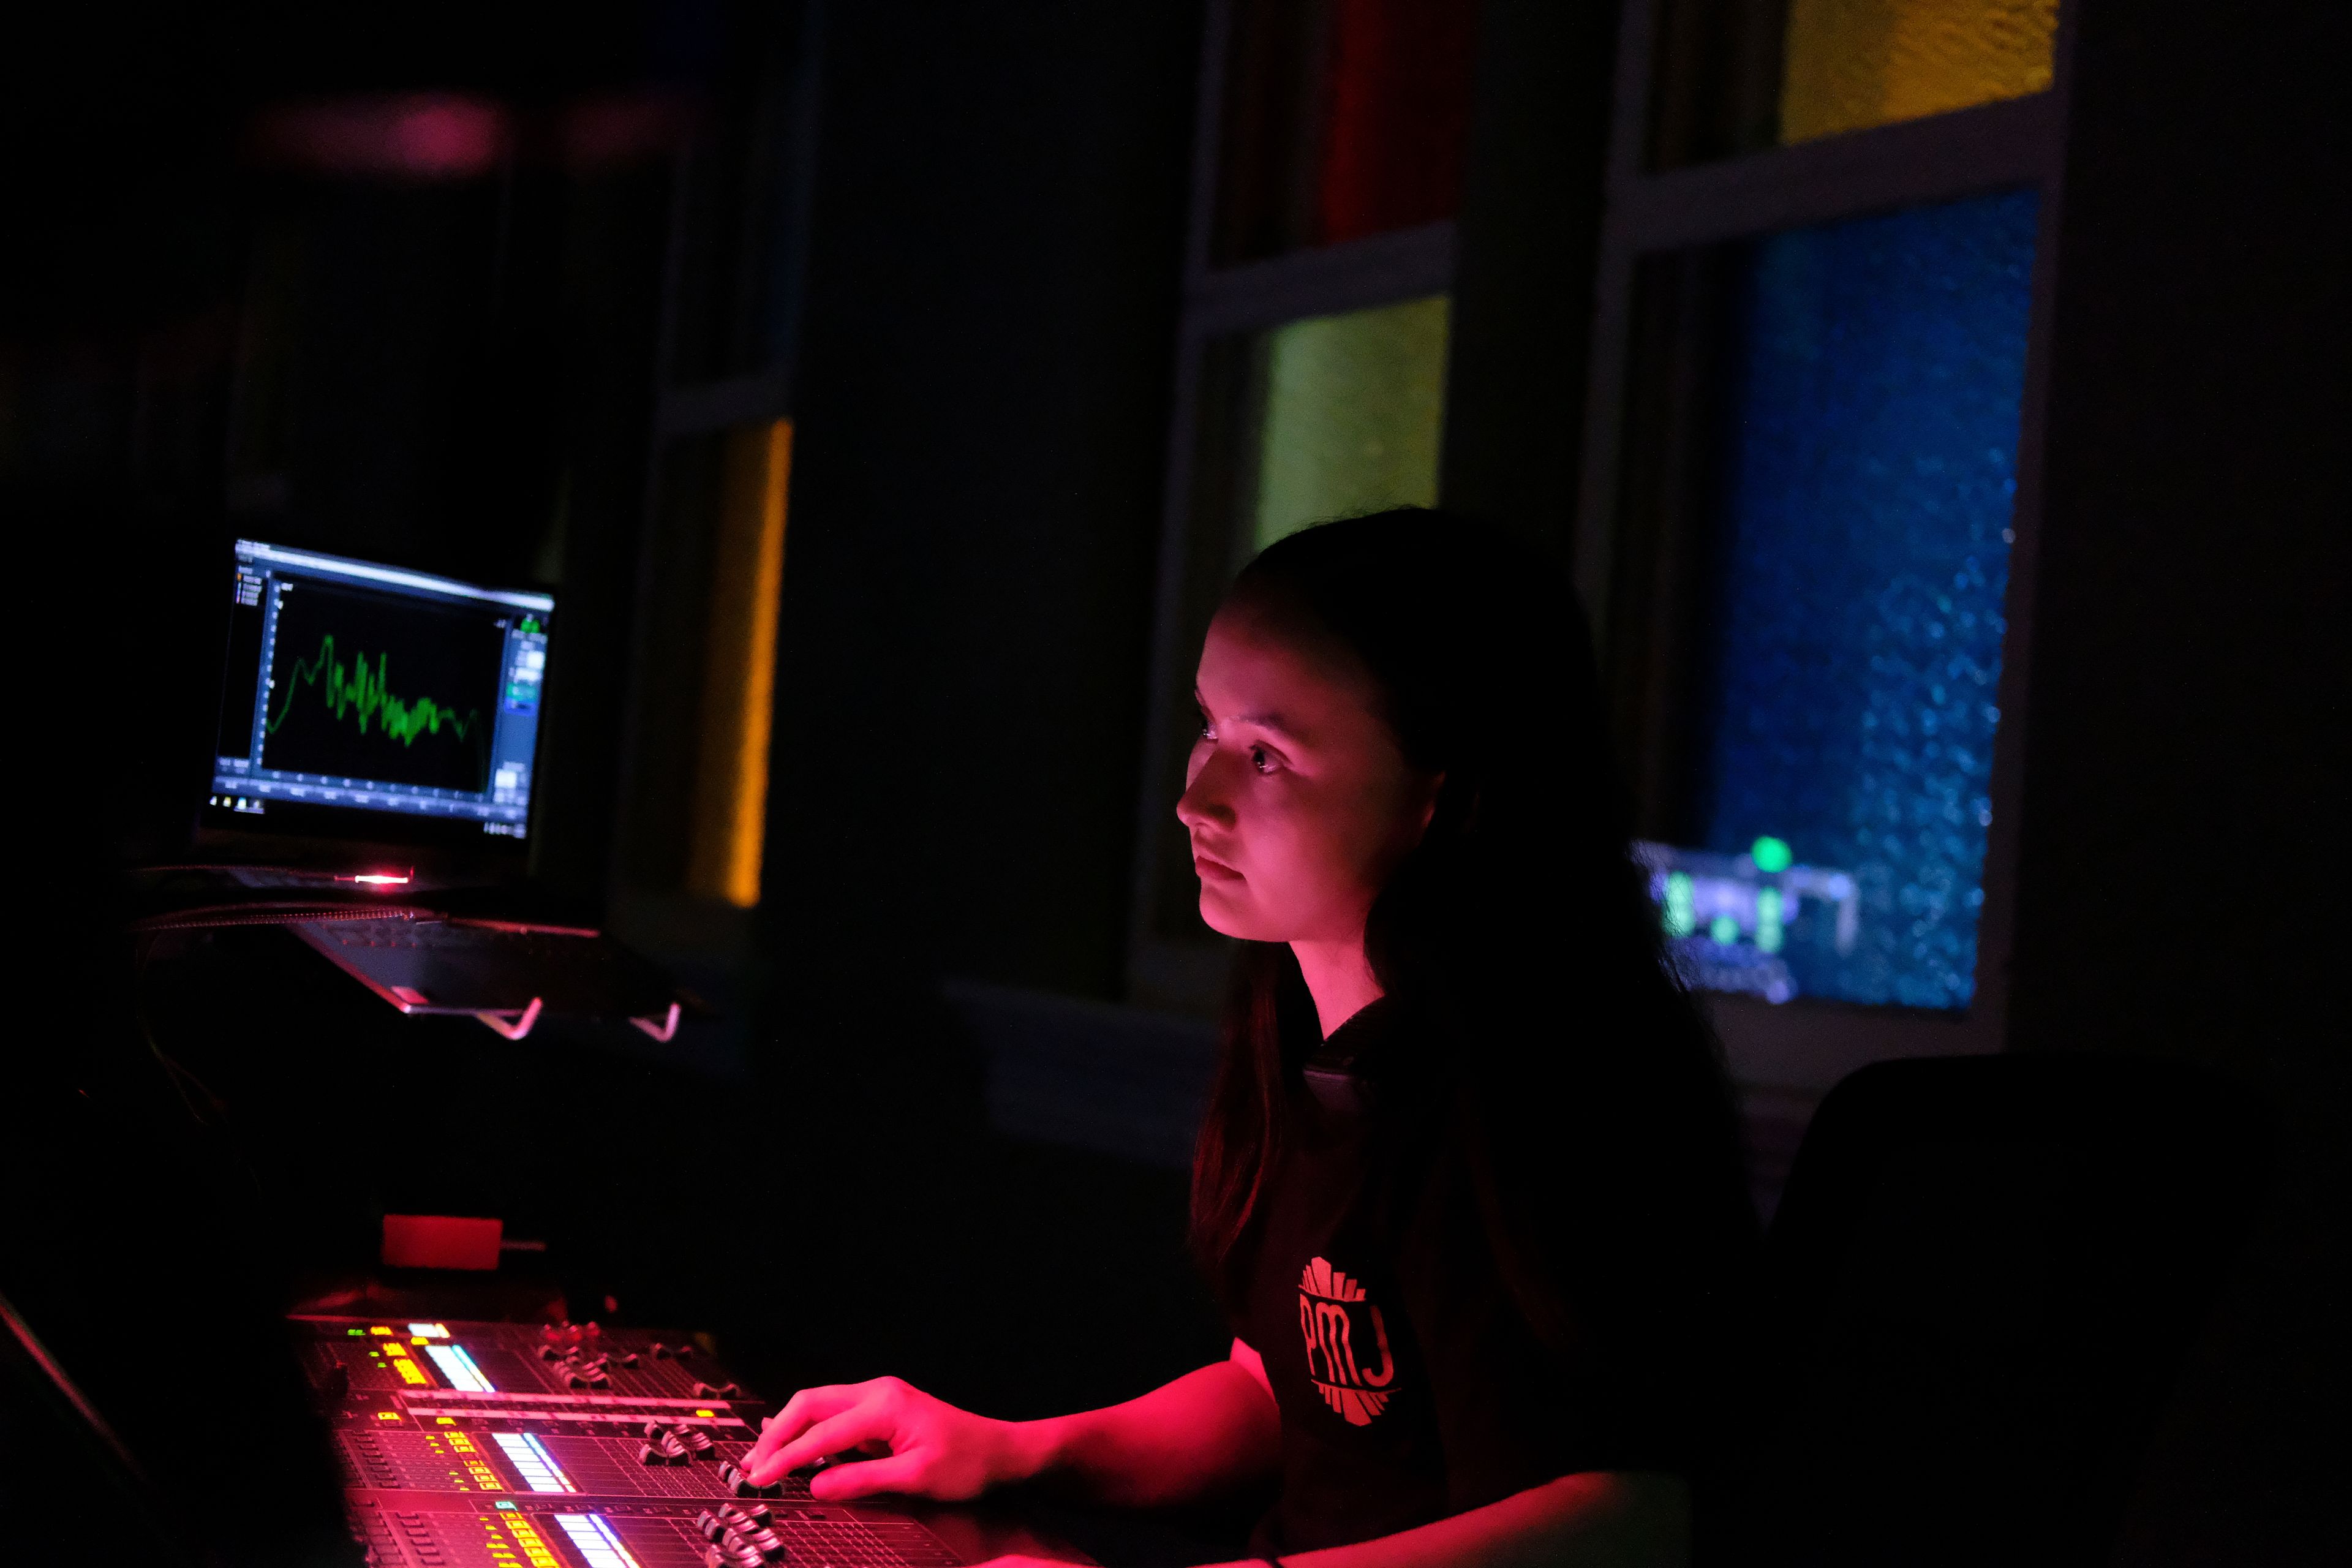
1272	723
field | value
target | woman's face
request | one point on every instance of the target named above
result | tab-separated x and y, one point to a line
1296	798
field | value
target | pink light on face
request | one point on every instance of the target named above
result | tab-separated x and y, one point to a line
414	136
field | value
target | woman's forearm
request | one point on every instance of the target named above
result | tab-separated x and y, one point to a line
1208	1431
1598	1520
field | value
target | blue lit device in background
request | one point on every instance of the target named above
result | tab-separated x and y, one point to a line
1868	460
1731	919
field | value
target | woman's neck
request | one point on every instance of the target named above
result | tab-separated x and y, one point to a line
1339	978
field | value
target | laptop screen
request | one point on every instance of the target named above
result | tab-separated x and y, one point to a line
372	701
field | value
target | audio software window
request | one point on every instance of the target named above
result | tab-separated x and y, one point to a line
371	687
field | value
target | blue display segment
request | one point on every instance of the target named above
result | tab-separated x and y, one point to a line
1870	465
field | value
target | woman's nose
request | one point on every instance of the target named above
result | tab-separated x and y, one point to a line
1203	803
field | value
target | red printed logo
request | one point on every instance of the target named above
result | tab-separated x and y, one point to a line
1334	1315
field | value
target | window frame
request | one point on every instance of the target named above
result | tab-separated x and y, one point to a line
775	129
1807	1044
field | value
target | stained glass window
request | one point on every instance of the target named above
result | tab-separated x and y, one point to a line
1342	119
1868	468
697	812
1849	64
1354	410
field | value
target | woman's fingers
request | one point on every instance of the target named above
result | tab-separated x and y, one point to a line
865	1478
872	1420
801	1412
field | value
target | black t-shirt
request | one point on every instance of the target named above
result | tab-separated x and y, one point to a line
1410	1384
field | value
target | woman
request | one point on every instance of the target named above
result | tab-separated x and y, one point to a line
1468	1187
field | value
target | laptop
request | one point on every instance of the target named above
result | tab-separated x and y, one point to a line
376	764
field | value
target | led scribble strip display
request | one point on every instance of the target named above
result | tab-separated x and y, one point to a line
532	1463
457	1368
595	1540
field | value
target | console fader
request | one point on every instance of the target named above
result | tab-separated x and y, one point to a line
564	1446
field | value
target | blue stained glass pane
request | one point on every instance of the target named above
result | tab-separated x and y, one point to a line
1871	468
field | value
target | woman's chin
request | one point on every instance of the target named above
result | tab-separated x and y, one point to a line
1220	914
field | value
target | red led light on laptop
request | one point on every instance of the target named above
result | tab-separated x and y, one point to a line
382	878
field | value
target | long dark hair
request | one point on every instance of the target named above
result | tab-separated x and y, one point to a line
1519	935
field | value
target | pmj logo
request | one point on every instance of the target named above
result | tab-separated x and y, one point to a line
1335	1317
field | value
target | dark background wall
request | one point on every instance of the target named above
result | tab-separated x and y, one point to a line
998	222
2185	801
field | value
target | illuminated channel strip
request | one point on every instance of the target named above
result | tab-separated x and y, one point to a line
532	1463
617	1417
597	1543
459	1368
429	1331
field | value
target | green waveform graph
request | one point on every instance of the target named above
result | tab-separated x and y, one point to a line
353	687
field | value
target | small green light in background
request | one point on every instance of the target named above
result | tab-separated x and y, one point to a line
1681	912
1769	930
1771	855
1725	930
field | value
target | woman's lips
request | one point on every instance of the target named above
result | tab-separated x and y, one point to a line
1213	871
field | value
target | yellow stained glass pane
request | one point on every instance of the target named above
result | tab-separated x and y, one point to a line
1851	64
739	667
1355	408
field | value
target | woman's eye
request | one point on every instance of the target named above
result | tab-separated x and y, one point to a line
1261	760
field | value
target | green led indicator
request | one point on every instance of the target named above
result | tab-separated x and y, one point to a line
1769	930
1771	855
355	1333
1725	930
1681	912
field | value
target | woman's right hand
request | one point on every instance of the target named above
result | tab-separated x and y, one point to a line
922	1446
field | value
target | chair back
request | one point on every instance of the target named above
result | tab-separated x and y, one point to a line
1979	1287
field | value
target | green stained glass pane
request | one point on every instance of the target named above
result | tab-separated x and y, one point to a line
1354	411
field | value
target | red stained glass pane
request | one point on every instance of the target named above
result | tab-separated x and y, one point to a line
1342	119
1398	116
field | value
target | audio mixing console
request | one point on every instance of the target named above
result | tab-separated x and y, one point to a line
564	1446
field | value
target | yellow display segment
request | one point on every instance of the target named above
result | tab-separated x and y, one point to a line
533	1547
412	1374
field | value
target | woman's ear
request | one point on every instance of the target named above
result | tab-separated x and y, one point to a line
1429	806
